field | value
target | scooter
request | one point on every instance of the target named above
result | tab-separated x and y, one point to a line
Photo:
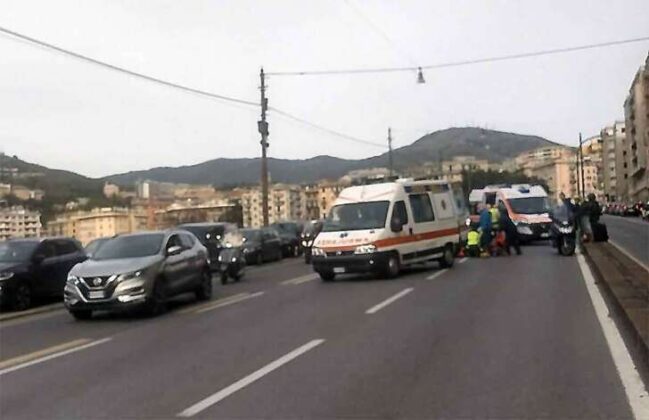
308	237
564	237
232	264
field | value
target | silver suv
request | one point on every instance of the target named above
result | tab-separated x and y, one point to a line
139	270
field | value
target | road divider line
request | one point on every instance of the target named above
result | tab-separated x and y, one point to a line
374	309
223	303
437	274
41	309
211	303
634	388
301	279
30	318
50	353
463	260
628	254
244	382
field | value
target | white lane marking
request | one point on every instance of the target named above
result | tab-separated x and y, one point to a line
437	274
374	309
463	260
242	383
628	254
228	302
211	303
29	318
41	309
54	356
634	388
301	279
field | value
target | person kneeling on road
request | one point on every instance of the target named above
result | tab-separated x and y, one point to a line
473	242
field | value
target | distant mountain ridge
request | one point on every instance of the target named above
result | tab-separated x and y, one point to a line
492	145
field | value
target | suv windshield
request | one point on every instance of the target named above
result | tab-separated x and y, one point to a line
286	228
357	216
16	251
530	205
134	246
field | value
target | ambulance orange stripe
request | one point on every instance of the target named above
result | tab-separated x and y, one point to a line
399	240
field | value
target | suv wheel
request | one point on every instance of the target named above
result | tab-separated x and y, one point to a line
22	297
204	291
448	258
157	302
81	314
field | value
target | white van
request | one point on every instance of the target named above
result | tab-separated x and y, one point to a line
381	228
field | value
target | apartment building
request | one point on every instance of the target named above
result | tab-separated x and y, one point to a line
24	193
197	212
97	223
592	151
636	113
555	165
614	169
18	222
285	202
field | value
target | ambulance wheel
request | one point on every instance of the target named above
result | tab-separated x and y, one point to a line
448	258
392	266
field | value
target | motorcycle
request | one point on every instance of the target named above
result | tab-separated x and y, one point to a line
307	238
564	234
232	264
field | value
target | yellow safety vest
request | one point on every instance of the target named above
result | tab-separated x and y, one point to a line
473	238
495	216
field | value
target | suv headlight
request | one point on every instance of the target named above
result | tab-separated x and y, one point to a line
318	252
6	275
73	280
129	276
365	249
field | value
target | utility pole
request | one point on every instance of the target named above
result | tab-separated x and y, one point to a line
577	174
391	162
262	126
581	164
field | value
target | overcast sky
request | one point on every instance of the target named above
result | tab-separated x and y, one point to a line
64	113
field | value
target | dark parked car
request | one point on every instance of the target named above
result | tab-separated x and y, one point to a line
94	245
211	236
35	268
289	235
141	270
261	245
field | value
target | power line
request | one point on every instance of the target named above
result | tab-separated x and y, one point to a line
176	85
126	71
461	62
380	32
292	117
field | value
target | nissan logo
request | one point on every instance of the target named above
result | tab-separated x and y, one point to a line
96	281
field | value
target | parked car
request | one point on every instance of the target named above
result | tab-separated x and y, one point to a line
211	235
289	234
94	245
139	270
35	268
261	245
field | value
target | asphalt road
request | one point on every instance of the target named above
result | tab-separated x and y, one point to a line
514	337
630	233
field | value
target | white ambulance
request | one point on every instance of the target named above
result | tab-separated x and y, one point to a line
529	208
380	228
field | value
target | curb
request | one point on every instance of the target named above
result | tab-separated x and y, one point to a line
35	311
614	294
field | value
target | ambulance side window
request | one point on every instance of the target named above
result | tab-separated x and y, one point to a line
422	209
400	213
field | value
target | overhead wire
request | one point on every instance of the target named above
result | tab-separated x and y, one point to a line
461	62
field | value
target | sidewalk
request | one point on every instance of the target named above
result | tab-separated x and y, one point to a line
628	283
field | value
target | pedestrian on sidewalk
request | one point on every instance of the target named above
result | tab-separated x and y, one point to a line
590	213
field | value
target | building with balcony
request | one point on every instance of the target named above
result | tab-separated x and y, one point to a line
18	222
555	165
614	168
285	202
636	113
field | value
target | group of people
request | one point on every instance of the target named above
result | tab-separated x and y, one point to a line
495	233
585	215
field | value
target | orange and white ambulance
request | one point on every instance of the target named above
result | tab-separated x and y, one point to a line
380	228
529	208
